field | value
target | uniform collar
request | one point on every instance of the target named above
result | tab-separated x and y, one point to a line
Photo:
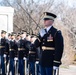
23	38
13	40
48	28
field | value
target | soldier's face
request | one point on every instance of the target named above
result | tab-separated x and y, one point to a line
48	23
3	35
31	39
28	38
12	37
18	37
23	35
9	37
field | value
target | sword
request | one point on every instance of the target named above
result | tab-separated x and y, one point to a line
37	62
28	68
16	66
5	63
8	72
56	72
25	66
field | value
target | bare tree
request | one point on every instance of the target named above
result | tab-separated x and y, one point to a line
28	15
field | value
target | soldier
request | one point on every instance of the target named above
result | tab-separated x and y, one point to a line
9	36
36	56
50	40
18	37
22	53
12	53
4	47
37	68
32	57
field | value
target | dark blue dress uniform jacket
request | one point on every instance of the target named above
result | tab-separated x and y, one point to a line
51	45
22	48
13	49
4	46
32	55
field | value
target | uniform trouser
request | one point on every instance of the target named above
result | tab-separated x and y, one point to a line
0	59
46	70
32	68
12	67
37	68
2	65
21	66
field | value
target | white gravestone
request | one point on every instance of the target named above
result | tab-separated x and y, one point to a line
6	19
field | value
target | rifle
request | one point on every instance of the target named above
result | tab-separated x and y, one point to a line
25	66
8	65
16	66
5	60
56	72
36	69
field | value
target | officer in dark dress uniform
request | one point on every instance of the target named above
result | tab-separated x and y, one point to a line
50	40
12	53
4	51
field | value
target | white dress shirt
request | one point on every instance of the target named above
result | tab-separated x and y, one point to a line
48	28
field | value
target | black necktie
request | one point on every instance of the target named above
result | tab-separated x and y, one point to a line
45	30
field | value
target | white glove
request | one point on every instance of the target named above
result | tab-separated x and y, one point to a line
42	32
15	58
24	58
4	55
55	67
37	62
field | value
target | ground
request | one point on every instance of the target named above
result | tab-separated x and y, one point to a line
71	70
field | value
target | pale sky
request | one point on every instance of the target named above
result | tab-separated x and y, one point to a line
70	3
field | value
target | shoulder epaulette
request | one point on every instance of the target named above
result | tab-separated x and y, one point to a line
59	31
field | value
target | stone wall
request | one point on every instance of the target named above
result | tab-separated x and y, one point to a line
6	19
